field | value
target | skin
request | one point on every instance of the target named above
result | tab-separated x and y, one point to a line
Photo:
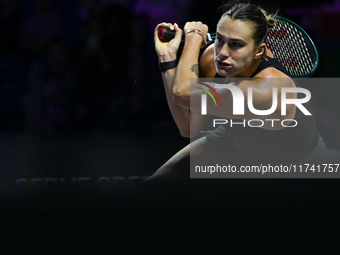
234	55
235	46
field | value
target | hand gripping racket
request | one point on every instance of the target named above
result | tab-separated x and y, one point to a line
288	42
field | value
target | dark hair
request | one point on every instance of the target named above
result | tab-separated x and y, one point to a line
254	15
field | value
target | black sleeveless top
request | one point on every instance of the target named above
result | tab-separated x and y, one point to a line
270	62
265	63
288	144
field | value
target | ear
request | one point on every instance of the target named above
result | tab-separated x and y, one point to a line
260	50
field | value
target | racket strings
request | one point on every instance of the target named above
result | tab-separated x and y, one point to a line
290	47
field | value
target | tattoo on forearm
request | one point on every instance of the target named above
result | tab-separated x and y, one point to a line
194	68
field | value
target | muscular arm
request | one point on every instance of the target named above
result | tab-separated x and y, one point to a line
167	52
187	69
180	115
177	80
207	63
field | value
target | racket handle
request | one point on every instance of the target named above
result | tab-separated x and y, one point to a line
165	35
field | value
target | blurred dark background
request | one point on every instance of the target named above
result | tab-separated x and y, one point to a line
83	109
81	93
70	67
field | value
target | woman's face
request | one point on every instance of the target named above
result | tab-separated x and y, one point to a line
234	48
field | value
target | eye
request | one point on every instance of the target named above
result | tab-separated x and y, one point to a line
235	45
219	39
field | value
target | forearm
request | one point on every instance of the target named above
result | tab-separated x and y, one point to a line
178	95
181	115
187	69
177	80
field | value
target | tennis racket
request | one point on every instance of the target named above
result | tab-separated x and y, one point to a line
288	42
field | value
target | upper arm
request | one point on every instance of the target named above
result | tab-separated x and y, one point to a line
237	93
207	63
263	86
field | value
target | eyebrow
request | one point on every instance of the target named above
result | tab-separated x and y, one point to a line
231	39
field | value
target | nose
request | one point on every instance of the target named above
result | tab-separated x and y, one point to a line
224	51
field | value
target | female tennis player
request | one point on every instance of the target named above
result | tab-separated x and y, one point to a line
239	51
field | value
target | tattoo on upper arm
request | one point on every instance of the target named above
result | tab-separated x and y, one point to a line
194	68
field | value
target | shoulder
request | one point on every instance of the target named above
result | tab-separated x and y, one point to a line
207	63
270	75
271	72
273	77
270	78
264	84
271	68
